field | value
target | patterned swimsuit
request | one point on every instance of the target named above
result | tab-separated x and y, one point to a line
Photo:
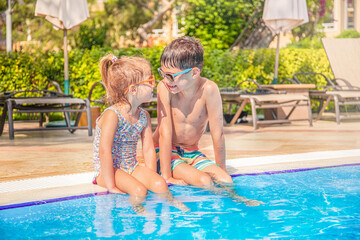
125	142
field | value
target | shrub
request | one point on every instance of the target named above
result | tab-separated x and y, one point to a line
306	43
349	34
22	70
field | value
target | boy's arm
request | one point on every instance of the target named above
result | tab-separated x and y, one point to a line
215	113
148	145
165	133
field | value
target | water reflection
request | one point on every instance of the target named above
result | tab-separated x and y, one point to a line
150	224
103	220
115	215
165	220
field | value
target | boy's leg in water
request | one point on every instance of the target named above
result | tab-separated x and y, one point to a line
191	175
224	181
204	178
173	201
155	183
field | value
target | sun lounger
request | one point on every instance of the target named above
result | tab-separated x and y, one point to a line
339	91
264	98
42	101
344	58
98	101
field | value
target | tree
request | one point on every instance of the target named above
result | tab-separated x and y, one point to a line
217	23
319	11
255	34
27	27
30	29
134	19
22	12
123	18
92	33
144	28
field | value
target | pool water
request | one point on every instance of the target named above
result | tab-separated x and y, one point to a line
323	203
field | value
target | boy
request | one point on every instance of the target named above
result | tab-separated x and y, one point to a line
186	102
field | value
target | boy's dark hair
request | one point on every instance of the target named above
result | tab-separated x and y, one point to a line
183	53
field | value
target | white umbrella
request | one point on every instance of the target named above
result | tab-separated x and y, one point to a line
282	16
63	14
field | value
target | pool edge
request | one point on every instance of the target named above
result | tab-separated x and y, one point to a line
52	200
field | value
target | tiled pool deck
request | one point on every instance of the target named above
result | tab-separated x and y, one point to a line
33	163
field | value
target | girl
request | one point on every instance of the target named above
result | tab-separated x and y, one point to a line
129	83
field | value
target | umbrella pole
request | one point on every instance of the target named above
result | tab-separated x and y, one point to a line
66	67
8	28
277	59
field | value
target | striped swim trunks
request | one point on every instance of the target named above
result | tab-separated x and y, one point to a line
187	155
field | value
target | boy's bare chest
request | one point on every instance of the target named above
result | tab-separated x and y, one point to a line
189	111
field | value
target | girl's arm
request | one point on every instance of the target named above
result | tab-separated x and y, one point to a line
148	145
108	125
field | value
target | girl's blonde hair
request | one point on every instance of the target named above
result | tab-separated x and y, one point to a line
118	74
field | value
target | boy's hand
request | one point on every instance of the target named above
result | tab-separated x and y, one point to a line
176	181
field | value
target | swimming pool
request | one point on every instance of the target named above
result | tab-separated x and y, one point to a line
322	203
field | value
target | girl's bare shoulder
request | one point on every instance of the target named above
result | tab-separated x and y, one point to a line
108	117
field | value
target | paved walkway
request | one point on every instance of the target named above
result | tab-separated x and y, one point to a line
53	153
39	154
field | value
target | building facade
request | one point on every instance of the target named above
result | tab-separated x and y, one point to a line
345	16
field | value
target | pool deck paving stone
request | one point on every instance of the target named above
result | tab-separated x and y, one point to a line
54	153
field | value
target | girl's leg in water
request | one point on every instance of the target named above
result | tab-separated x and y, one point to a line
155	183
128	184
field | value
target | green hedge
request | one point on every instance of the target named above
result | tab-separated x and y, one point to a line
23	70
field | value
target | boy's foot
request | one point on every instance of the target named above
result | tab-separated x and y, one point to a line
180	205
247	202
173	201
236	197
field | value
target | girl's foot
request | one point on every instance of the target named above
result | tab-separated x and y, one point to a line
139	209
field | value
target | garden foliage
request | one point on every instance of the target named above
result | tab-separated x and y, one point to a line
217	22
24	70
349	34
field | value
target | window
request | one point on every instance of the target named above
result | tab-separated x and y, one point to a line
350	14
330	17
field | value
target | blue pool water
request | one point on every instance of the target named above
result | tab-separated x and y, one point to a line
320	204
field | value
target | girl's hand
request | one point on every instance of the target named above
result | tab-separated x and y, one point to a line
176	181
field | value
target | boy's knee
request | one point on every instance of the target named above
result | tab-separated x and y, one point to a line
225	179
205	179
160	186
